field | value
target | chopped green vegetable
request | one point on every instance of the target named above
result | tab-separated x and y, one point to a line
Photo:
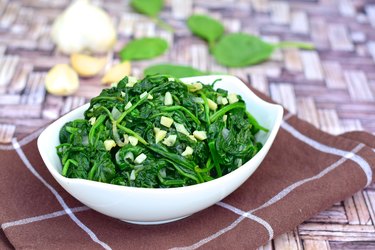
205	27
178	71
143	48
153	145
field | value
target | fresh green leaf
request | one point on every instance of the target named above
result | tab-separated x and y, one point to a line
178	71
152	9
239	50
144	48
205	27
148	7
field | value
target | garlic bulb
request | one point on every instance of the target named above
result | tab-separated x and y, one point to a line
83	26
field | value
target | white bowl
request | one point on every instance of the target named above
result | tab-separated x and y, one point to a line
155	206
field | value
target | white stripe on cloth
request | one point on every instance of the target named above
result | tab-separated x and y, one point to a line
24	140
290	188
348	155
213	236
249	215
42	217
27	163
287	116
362	163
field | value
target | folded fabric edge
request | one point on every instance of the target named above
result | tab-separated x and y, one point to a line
361	136
4	241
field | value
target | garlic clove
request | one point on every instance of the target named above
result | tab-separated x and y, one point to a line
85	65
61	80
116	73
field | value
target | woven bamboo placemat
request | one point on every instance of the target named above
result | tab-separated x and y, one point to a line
332	87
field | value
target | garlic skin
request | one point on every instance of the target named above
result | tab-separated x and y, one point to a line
83	27
61	80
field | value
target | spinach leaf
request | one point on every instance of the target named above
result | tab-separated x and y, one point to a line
75	132
240	49
79	165
75	160
143	48
148	7
205	27
103	169
152	9
178	71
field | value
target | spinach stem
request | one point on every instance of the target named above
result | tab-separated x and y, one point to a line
211	45
173	108
291	44
163	24
131	132
114	98
116	136
254	122
176	182
160	114
130	109
206	169
173	157
215	158
92	171
199	176
66	166
206	108
97	123
224	110
107	111
182	172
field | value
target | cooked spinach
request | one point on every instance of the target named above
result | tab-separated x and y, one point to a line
159	132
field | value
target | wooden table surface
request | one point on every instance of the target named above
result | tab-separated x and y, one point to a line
332	87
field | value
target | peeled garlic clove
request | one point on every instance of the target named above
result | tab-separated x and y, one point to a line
116	73
61	80
87	66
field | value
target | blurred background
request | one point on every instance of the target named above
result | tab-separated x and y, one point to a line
332	86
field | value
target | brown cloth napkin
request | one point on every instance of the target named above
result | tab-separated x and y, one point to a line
306	171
